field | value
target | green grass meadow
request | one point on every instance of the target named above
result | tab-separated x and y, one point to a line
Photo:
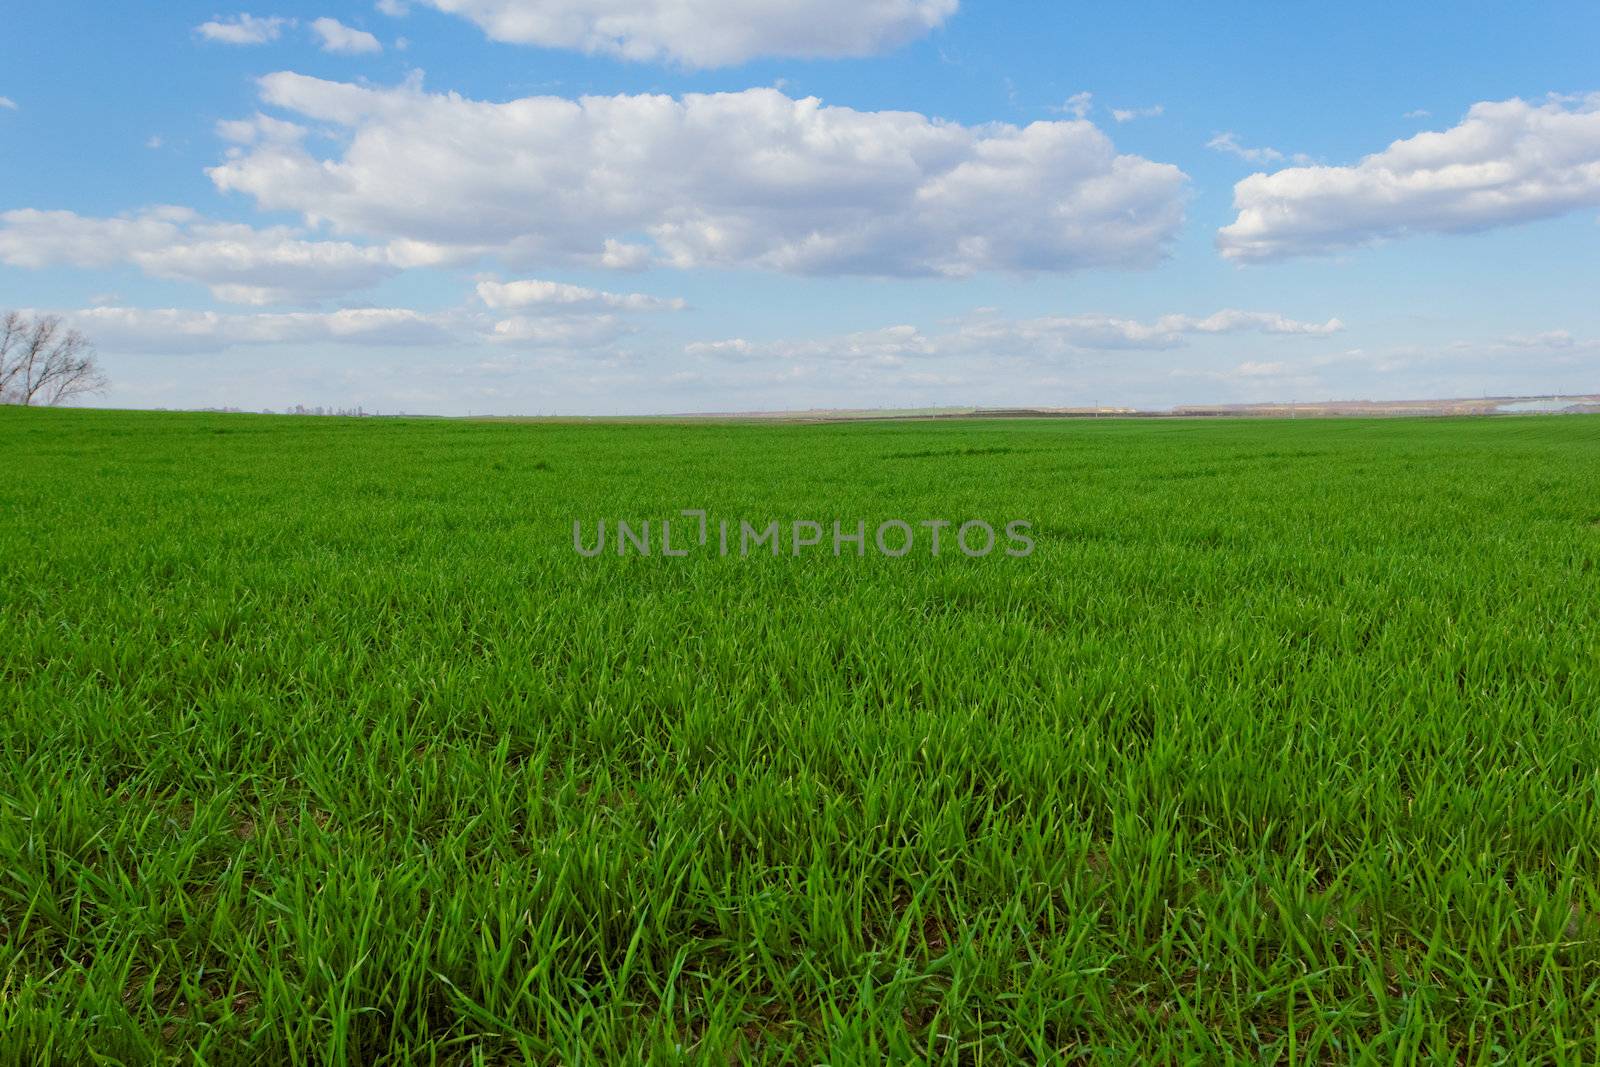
320	744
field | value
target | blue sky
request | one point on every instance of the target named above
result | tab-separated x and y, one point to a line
630	206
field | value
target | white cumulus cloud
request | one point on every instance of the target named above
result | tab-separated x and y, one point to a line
243	29
751	179
706	33
1507	162
335	36
8	104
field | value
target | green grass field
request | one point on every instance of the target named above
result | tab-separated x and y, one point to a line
320	744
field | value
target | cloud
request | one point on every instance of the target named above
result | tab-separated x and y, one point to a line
748	180
552	296
1505	163
892	344
1547	339
335	36
1553	362
1106	333
239	264
560	315
985	335
987	359
1229	143
1419	113
1128	114
1257	369
395	9
1078	105
259	128
699	33
555	332
620	255
8	104
179	330
243	29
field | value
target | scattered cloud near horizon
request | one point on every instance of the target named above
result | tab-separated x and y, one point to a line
532	313
586	352
179	330
545	313
1043	336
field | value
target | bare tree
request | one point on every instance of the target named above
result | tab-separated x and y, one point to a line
41	363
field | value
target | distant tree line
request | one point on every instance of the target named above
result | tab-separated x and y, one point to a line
357	412
301	409
41	362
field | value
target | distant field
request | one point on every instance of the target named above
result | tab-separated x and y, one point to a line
321	744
